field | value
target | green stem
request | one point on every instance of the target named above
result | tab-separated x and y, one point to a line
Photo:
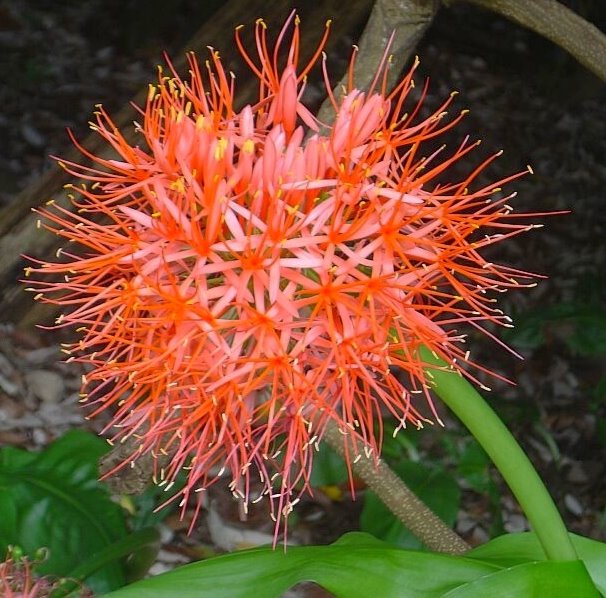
511	461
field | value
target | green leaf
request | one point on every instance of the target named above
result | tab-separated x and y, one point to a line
53	499
599	392
145	506
528	331
589	336
399	447
356	567
584	327
141	547
474	466
433	485
329	468
513	549
548	578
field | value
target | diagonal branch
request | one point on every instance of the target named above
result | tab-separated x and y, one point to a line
556	22
407	20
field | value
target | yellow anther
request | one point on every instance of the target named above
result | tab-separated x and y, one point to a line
220	149
248	147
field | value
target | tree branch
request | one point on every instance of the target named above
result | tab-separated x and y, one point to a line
557	23
407	20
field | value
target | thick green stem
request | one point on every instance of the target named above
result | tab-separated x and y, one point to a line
511	461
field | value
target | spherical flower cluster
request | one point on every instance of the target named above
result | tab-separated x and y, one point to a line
241	277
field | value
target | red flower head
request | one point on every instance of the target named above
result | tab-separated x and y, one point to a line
18	578
242	278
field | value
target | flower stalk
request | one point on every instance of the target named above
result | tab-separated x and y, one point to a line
507	455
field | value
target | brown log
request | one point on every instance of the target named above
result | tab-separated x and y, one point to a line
19	234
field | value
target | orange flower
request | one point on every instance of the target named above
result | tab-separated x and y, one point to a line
18	580
242	278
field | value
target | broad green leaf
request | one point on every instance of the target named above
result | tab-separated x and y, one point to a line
53	499
356	567
514	549
74	457
532	580
434	486
359	540
8	520
17	457
140	547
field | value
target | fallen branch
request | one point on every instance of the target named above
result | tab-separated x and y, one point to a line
556	22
